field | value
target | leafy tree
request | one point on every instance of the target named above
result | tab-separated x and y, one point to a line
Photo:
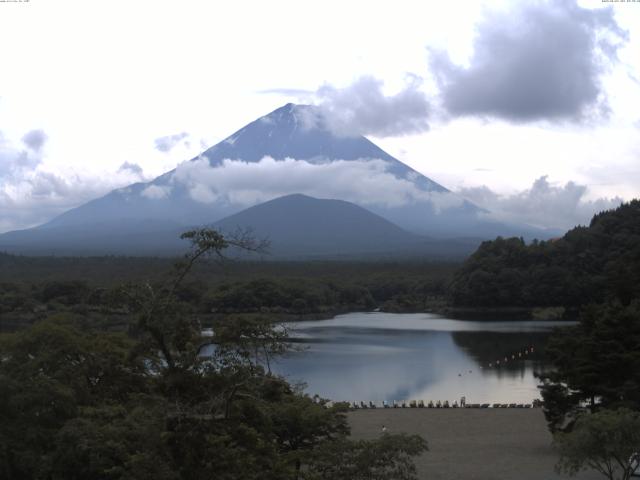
607	441
300	424
114	441
255	340
596	362
47	375
388	458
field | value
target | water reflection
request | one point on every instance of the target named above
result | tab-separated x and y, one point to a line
381	356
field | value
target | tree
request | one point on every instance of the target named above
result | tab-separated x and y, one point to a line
48	374
388	458
607	441
596	363
171	338
301	423
253	340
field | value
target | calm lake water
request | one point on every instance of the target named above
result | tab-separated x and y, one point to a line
385	356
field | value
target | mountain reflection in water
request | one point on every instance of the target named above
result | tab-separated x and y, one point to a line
384	356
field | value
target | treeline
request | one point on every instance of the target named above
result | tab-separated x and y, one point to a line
587	265
295	291
111	270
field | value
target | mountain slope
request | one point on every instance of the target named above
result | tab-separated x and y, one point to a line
292	131
124	237
587	265
309	159
297	227
297	131
301	225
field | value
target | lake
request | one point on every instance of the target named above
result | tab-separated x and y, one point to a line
385	356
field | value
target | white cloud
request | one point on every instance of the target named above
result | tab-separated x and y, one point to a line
13	160
365	182
156	192
543	205
169	142
536	61
362	108
39	195
31	192
35	140
133	168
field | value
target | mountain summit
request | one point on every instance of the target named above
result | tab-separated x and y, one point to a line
199	191
298	131
301	225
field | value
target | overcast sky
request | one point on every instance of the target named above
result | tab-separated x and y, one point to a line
528	108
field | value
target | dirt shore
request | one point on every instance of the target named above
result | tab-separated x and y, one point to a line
471	444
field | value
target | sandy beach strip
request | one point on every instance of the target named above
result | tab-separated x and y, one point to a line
469	443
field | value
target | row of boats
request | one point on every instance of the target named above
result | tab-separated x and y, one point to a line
439	404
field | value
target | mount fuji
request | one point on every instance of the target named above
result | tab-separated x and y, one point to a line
289	151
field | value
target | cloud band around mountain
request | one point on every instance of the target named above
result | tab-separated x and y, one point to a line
366	182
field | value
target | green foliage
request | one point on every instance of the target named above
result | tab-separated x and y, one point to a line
607	441
597	362
288	291
589	264
287	296
81	403
253	340
48	374
388	458
114	441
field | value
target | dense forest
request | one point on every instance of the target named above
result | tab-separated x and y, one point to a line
34	288
588	264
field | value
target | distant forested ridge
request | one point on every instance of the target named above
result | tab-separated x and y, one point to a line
35	288
588	265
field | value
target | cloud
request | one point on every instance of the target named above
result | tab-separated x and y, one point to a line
166	144
543	60
37	196
156	192
14	160
543	205
31	193
362	108
35	140
244	184
133	168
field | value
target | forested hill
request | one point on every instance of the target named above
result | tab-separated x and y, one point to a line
589	264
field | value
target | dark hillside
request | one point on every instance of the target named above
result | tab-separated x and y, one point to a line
589	264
